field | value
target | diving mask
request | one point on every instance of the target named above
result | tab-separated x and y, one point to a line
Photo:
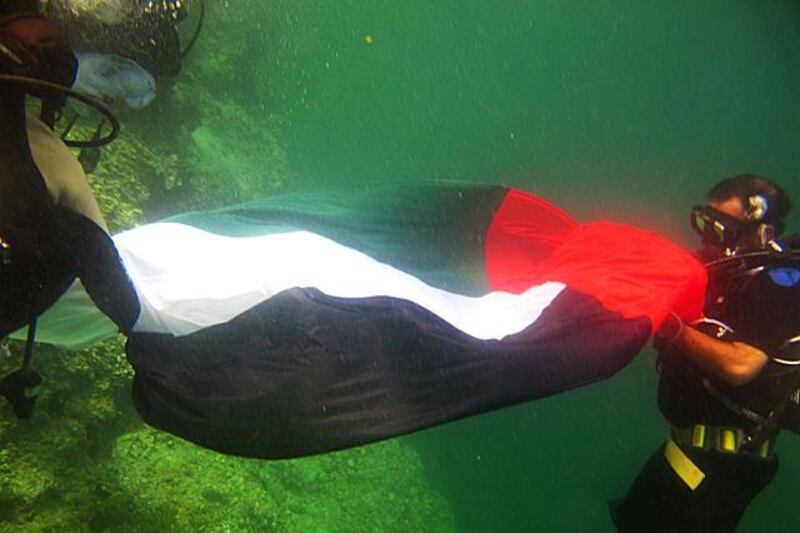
719	230
715	227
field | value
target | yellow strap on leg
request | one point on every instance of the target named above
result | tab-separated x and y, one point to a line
683	466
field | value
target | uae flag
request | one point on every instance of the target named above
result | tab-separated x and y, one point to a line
310	322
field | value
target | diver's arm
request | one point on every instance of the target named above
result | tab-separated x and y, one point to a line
66	181
733	362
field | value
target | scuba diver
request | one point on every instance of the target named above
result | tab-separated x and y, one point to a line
127	52
46	205
730	380
305	323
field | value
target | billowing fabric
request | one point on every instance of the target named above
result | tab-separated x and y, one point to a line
306	323
632	271
434	231
170	265
306	373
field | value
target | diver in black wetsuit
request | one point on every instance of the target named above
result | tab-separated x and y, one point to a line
730	381
50	228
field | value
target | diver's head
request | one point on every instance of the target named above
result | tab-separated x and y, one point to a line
33	47
743	213
143	31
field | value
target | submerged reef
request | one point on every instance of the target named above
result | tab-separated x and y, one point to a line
216	120
85	461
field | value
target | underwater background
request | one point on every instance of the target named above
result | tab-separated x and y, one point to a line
621	109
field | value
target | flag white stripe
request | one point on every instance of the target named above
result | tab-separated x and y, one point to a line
188	279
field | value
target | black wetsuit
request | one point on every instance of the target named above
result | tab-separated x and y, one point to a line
762	309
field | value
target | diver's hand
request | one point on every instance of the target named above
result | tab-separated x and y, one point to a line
670	331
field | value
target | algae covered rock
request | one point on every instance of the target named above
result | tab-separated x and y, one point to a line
235	157
85	462
49	472
216	120
186	488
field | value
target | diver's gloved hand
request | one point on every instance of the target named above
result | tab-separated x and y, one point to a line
21	388
669	332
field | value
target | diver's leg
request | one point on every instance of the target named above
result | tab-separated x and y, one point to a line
734	482
648	503
660	501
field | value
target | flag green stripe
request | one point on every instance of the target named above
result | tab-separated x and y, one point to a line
73	323
433	231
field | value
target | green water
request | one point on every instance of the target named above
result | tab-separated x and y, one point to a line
621	109
614	108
